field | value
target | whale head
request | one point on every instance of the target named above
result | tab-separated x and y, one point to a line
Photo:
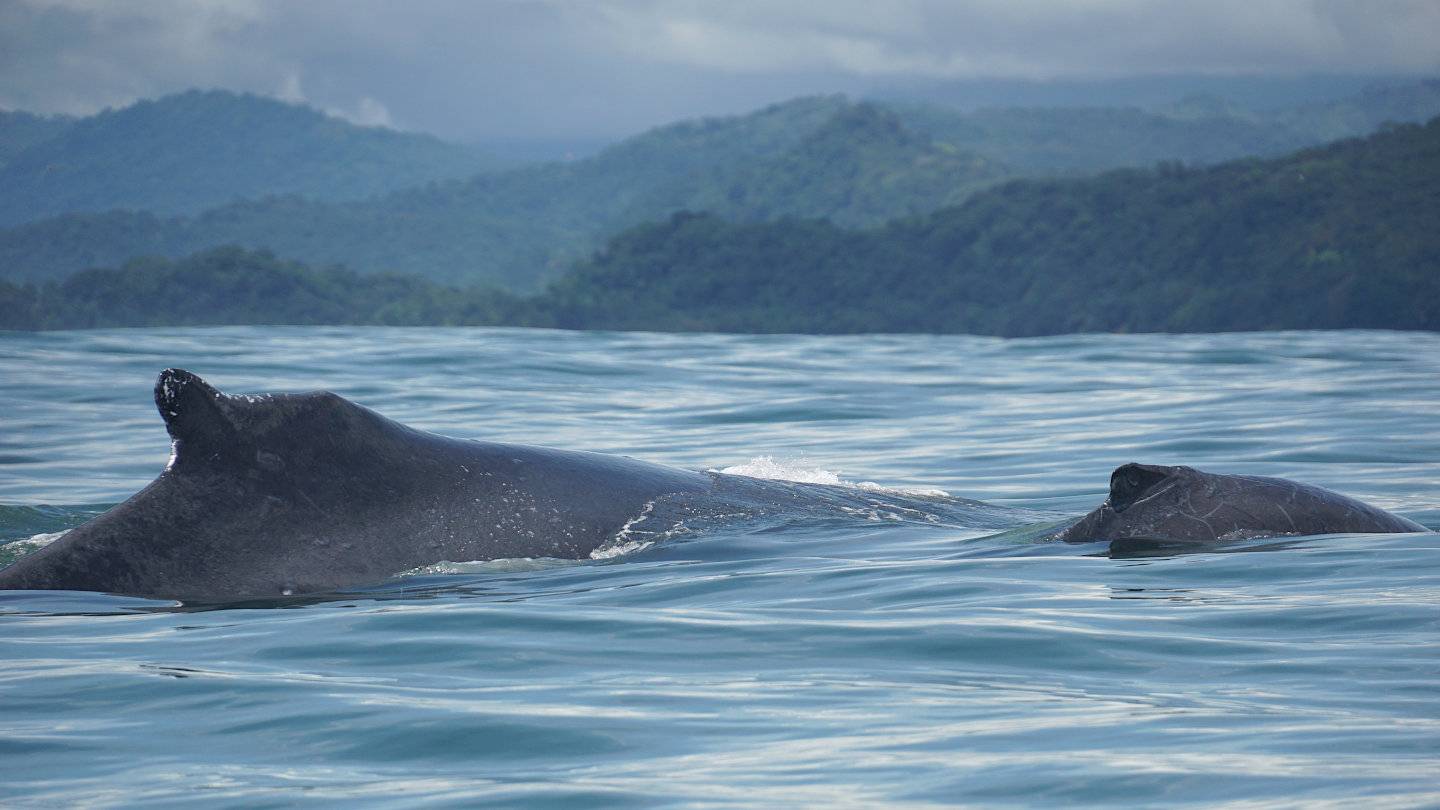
1151	502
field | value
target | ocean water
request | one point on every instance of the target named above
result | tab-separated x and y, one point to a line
873	660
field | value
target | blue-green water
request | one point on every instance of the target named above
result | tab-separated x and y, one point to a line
865	662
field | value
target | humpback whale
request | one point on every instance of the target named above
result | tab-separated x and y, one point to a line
1155	507
281	494
284	494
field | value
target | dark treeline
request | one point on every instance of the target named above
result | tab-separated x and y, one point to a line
1336	237
232	286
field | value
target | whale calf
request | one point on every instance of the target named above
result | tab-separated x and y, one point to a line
1154	507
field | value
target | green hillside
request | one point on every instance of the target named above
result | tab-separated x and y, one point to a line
1342	236
813	157
184	153
21	130
1197	130
855	164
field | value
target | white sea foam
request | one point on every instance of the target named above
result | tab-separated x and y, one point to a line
624	541
502	566
793	470
617	548
19	548
39	541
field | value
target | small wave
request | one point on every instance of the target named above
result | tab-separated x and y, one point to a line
623	542
614	548
503	566
40	541
628	541
14	550
768	467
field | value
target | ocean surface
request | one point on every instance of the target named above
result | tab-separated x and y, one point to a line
875	658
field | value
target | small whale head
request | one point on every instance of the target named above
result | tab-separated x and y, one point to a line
1151	502
1132	483
1154	507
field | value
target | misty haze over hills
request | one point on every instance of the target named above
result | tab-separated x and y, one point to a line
312	181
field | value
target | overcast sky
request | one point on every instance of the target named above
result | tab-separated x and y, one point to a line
509	68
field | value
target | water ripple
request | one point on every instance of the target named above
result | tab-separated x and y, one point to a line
844	663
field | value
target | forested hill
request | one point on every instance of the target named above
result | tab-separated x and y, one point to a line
1195	130
813	157
1340	236
857	164
1337	237
184	153
21	130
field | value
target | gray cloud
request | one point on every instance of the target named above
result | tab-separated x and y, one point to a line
557	68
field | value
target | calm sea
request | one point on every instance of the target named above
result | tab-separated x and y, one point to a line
864	662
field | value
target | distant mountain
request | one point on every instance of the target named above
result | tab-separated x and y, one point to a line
21	130
861	167
856	164
1197	130
1341	236
1252	91
184	153
824	157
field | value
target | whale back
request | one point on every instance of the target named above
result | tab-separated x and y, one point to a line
288	493
1153	505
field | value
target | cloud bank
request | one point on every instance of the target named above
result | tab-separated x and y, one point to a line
554	67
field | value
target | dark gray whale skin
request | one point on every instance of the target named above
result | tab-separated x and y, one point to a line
1155	507
271	495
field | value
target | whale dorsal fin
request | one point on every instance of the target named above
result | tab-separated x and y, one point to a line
1131	481
195	413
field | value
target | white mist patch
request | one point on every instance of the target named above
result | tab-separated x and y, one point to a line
769	468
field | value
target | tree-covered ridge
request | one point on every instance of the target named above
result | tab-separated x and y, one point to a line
232	286
1341	236
1196	130
823	157
861	167
21	130
184	153
857	164
1337	237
